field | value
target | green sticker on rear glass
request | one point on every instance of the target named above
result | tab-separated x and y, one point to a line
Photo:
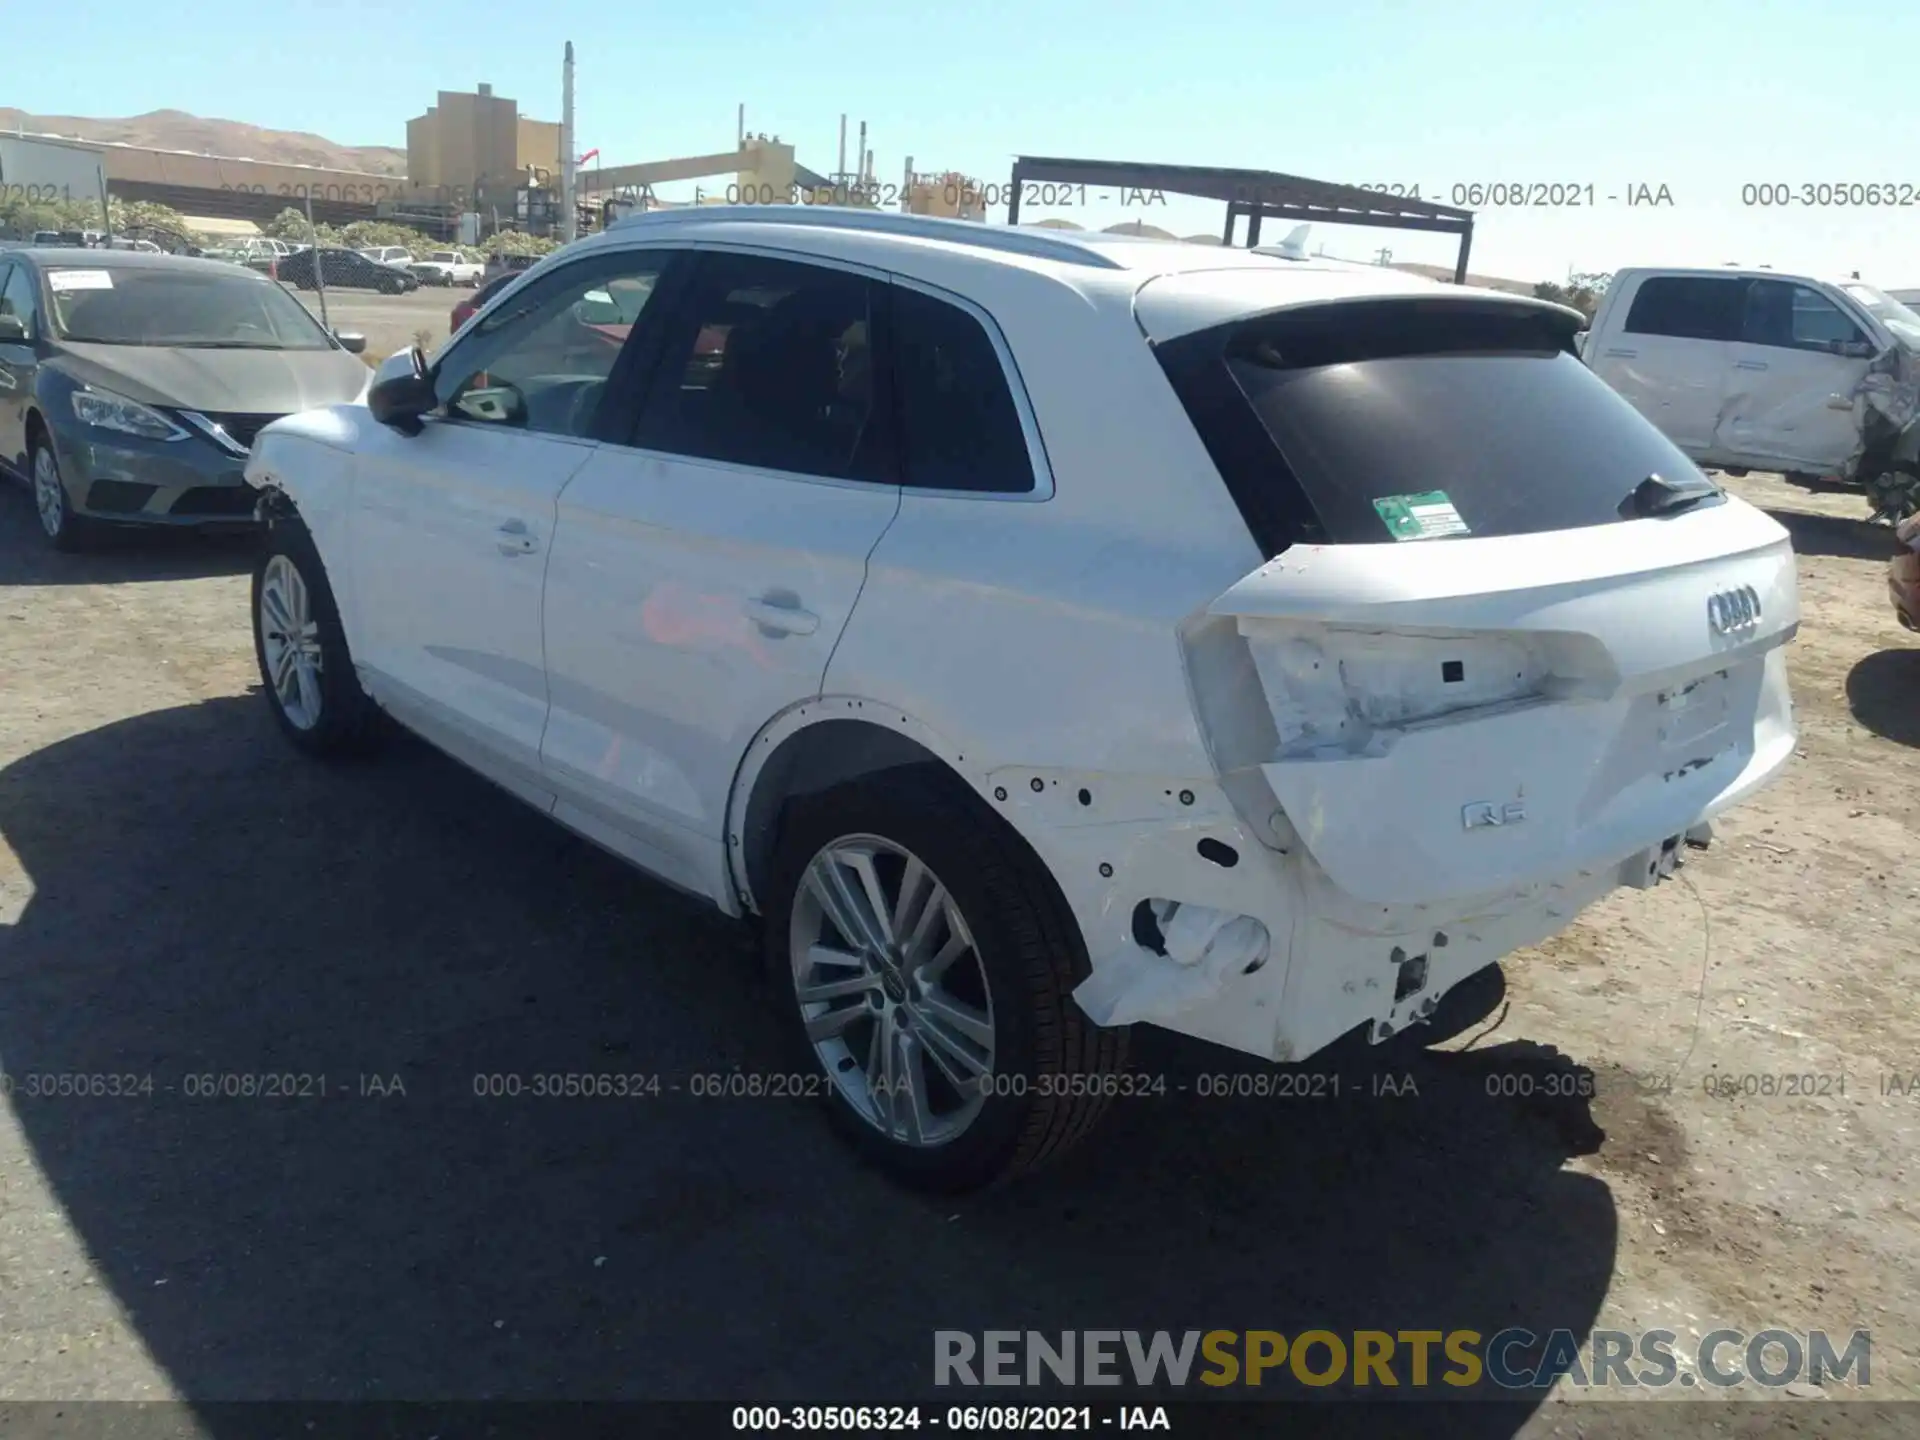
1420	517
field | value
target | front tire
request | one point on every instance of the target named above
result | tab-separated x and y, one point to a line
65	531
924	964
306	669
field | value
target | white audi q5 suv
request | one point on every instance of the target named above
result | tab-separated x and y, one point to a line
1039	634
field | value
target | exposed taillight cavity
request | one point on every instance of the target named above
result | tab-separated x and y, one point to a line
1335	691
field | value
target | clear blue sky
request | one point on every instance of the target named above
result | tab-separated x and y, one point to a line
1701	96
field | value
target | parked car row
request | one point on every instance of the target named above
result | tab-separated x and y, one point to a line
92	240
342	269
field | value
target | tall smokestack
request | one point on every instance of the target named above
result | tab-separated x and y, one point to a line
741	139
860	155
906	188
569	212
840	171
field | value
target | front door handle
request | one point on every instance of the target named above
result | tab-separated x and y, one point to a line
1749	364
1622	354
516	539
777	619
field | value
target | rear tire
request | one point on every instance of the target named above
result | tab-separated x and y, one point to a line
306	670
1006	1070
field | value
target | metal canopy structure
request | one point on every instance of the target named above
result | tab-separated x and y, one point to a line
1255	194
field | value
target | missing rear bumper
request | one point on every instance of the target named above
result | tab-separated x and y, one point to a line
1660	862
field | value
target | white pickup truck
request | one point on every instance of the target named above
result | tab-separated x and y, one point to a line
447	267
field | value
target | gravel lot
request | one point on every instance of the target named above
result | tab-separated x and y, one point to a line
181	895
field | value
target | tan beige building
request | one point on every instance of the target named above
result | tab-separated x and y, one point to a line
951	195
466	142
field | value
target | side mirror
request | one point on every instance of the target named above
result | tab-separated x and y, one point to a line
13	330
402	392
351	341
1854	349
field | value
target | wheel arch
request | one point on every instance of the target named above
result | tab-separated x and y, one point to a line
828	741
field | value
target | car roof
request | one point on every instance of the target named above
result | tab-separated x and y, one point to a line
822	225
1110	267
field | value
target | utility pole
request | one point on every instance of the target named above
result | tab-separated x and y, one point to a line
569	211
319	277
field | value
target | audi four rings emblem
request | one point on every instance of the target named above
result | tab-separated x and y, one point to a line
1732	611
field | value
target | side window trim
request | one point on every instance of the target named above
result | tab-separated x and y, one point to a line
1016	387
881	340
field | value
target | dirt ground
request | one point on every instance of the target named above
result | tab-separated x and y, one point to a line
182	896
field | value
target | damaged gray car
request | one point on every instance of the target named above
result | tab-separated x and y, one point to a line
1759	370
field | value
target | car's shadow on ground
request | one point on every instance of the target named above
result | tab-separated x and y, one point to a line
114	555
1883	692
1837	536
205	904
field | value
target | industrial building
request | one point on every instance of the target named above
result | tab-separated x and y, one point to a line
466	141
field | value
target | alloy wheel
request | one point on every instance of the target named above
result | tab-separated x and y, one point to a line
49	496
290	642
892	990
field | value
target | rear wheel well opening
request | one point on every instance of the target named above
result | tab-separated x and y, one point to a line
808	762
835	752
36	430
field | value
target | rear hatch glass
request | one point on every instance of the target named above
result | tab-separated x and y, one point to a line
1377	421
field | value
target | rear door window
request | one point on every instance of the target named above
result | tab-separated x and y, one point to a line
769	363
959	426
1688	307
1381	421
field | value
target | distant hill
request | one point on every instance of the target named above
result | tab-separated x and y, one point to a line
177	130
1480	282
1140	227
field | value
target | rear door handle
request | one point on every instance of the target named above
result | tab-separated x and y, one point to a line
1749	364
516	539
776	619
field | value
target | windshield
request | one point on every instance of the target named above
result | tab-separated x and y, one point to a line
180	308
1898	318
